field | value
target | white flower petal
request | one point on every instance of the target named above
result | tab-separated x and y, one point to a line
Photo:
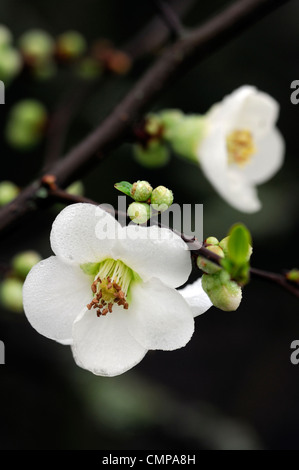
103	344
196	297
83	233
268	159
159	317
155	252
54	294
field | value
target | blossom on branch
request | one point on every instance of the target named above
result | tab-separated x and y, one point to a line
242	147
110	291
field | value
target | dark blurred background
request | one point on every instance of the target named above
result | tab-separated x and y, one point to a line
233	386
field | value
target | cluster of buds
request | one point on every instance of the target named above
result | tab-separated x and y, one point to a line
146	199
224	293
11	297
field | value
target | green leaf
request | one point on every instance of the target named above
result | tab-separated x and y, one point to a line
239	244
124	187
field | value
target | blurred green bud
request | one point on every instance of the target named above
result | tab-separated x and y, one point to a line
11	296
141	191
8	192
37	46
224	293
185	136
88	68
212	241
153	124
5	36
293	275
23	262
25	124
161	198
169	118
224	245
76	188
208	266
10	64
154	155
70	45
139	212
44	71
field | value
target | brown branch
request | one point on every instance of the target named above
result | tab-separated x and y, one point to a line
176	60
170	18
59	195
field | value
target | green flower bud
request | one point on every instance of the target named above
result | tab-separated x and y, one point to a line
45	70
161	198
293	275
154	155
24	261
37	46
153	124
71	45
185	136
11	296
76	188
212	241
141	191
208	266
139	212
88	68
5	36
25	125
8	192
170	118
10	64
224	293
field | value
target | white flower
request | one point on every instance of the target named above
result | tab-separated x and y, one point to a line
110	291
242	147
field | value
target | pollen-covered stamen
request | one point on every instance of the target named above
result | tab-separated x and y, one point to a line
111	286
240	147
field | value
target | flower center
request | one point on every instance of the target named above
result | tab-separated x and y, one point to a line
111	286
240	147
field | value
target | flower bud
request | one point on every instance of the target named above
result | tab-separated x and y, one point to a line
37	46
211	241
185	136
141	191
224	293
5	36
224	245
11	296
8	192
76	188
208	266
70	45
169	118
154	155
24	261
161	198
139	212
25	125
10	64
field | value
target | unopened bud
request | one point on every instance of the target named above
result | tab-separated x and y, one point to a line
224	293
10	64
139	212
23	262
141	191
8	192
212	241
161	198
76	188
70	45
37	46
224	245
154	155
5	36
11	296
208	266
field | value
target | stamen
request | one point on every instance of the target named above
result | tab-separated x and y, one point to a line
240	147
111	286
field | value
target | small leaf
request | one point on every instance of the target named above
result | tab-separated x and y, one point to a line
124	187
239	244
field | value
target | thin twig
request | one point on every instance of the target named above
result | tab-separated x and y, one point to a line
170	18
174	62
